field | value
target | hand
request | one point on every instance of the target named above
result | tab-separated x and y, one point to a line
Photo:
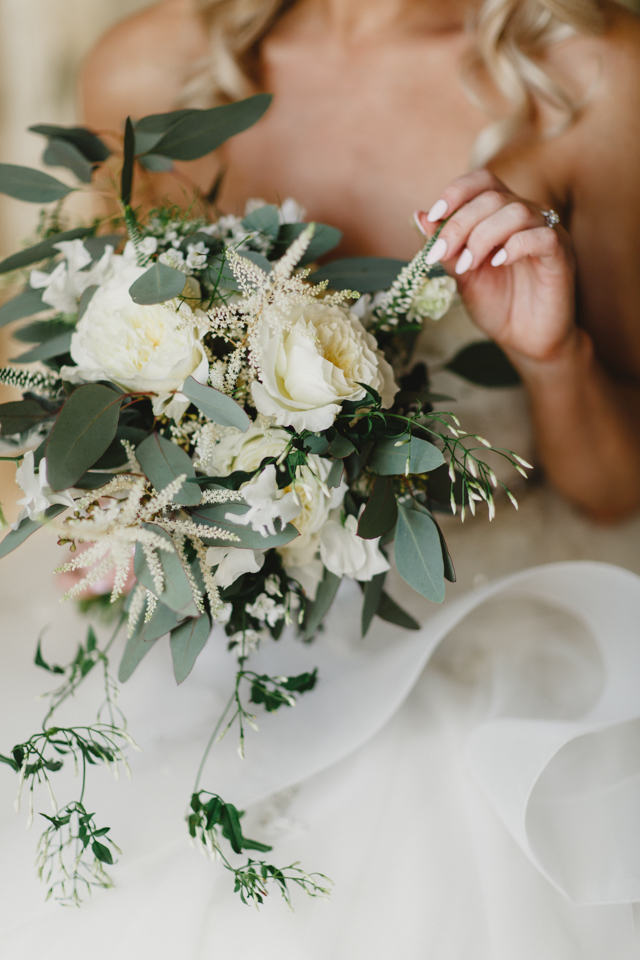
514	272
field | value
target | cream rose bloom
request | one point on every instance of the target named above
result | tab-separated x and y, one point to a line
141	348
320	360
433	299
241	451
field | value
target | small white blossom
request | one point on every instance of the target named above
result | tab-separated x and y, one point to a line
64	286
346	554
266	608
267	504
38	493
232	563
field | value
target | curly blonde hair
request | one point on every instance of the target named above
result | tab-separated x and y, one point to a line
510	39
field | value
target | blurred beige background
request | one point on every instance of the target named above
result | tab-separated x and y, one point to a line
42	45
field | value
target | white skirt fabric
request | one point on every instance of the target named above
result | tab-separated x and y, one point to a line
472	789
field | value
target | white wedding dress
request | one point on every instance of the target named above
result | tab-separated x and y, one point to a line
472	789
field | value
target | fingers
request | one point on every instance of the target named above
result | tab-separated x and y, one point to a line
493	233
461	191
542	242
472	220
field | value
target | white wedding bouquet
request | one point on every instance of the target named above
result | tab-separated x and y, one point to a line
206	423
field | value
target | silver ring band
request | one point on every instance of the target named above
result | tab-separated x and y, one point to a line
551	218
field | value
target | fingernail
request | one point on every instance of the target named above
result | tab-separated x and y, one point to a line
437	252
464	262
416	216
499	258
438	211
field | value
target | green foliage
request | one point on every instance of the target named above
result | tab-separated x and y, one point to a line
215	405
14	538
63	153
41	330
33	186
21	415
324	238
85	427
41	251
389	610
162	462
247	537
159	284
264	220
57	346
187	642
317	609
418	553
87	143
177	593
274	692
484	364
364	274
381	512
145	634
24	305
372	595
195	133
405	455
126	175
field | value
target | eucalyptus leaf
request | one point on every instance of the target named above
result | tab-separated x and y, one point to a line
176	593
85	300
14	538
264	220
30	185
21	415
325	238
97	245
126	175
257	259
389	610
143	638
364	274
247	537
159	284
187	642
418	553
62	153
24	305
40	251
484	364
317	609
163	461
41	330
335	474
85	427
340	447
215	405
200	132
86	141
161	122
381	512
55	347
155	163
389	459
371	600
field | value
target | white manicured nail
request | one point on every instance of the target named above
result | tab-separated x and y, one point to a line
464	262
499	258
437	252
438	211
416	217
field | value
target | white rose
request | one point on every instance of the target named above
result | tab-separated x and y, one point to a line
309	369
346	554
140	348
242	451
433	299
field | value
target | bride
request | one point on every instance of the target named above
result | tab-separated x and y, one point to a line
490	810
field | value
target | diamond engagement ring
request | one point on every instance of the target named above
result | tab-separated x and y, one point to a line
551	218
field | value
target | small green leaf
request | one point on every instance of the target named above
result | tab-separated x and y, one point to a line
263	220
126	177
21	415
372	597
101	852
143	638
484	364
42	250
85	427
88	143
30	185
418	553
364	274
154	162
231	827
14	538
62	153
381	512
177	592
389	610
187	642
199	132
388	459
24	305
57	346
163	461
318	609
41	662
335	474
248	538
216	406
340	447
38	331
159	284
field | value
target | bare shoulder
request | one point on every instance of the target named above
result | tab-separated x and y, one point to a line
140	65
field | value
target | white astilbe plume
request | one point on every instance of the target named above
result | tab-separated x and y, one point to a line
115	529
221	495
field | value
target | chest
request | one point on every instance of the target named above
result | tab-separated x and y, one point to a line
364	140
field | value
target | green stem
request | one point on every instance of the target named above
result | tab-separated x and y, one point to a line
212	740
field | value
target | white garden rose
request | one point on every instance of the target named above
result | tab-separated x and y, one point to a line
320	360
346	554
241	451
141	348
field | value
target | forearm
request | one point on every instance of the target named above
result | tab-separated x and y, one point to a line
587	429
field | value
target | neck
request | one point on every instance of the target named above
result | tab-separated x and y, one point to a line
360	19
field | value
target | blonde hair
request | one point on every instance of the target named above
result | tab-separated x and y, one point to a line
510	38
